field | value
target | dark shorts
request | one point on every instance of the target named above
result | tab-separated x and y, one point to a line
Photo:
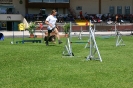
49	31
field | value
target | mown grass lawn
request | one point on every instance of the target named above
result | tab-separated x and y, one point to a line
38	66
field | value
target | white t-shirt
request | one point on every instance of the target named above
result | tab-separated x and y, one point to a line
52	20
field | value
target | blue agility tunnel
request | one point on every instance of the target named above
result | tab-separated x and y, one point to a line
1	37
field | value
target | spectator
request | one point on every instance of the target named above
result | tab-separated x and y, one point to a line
80	13
79	17
86	16
113	17
60	18
64	17
116	19
103	17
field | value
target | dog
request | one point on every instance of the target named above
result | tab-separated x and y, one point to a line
51	38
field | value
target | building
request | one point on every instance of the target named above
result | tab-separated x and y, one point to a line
11	14
103	6
89	6
62	6
11	8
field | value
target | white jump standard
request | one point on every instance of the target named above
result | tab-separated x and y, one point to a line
91	41
68	49
93	46
88	44
119	40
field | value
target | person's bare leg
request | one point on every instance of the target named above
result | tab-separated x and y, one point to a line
57	35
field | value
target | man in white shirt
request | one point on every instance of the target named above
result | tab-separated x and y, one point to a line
51	22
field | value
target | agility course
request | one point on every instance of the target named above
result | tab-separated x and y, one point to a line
91	41
37	65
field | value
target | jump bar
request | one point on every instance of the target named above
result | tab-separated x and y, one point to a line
33	41
79	42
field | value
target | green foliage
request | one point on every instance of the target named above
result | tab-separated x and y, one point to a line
66	28
31	27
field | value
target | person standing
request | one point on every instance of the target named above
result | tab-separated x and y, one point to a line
116	18
52	26
80	13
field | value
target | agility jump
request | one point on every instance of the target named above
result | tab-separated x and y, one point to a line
68	47
22	28
92	42
119	40
93	46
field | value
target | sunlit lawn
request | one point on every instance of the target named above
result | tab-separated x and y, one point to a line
34	65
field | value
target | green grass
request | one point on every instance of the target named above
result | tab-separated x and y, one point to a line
38	66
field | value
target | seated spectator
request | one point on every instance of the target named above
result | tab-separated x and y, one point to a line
80	13
103	18
131	19
79	17
27	16
86	15
31	16
109	22
91	17
116	17
64	17
121	19
109	18
113	17
99	20
60	18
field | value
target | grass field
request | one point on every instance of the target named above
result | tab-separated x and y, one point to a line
38	66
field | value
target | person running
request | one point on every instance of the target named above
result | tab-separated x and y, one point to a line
52	26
